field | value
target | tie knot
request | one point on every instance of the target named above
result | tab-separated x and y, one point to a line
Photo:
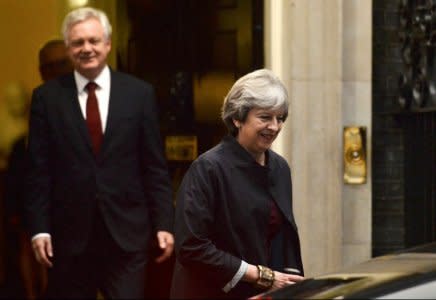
91	86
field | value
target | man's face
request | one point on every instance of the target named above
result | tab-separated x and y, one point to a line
54	61
88	47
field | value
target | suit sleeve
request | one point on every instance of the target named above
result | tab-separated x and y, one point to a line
38	180
194	226
156	177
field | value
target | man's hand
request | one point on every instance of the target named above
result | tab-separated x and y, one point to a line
166	244
43	250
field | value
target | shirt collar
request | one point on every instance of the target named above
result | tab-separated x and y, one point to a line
102	80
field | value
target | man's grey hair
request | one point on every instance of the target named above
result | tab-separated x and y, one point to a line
258	89
82	14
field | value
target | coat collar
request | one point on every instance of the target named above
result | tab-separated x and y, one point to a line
271	174
243	157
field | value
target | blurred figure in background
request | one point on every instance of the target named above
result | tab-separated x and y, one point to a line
53	60
13	126
13	118
25	277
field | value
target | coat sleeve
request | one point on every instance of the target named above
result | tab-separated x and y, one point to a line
156	176
38	179
197	200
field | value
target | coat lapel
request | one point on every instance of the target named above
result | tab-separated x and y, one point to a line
277	187
276	184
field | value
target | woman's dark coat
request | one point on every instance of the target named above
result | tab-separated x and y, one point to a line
222	216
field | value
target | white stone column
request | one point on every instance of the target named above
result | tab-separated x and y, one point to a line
305	44
357	110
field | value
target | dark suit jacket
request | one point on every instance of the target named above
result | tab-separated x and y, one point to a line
128	181
222	216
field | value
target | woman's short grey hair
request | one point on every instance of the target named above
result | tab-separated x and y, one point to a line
258	89
82	14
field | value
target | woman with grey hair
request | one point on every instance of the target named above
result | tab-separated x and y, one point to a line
235	231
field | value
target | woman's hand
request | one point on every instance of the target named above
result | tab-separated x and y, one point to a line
280	279
283	279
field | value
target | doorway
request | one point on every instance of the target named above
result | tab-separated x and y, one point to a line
191	51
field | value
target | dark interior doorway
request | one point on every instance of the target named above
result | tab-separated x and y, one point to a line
191	51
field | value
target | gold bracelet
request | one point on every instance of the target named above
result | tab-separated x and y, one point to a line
266	277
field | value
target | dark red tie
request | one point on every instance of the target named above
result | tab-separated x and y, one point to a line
93	118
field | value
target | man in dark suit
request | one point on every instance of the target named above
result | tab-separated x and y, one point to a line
98	184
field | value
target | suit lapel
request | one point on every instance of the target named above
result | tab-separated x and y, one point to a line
115	106
76	116
72	109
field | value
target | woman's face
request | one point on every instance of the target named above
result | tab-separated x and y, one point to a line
259	130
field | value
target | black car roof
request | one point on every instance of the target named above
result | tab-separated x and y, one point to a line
373	277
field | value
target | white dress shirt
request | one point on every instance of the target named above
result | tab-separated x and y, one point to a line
102	92
237	277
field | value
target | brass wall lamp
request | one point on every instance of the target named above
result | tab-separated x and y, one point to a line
354	154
